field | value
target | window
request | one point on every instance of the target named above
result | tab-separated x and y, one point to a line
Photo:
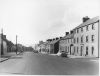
87	28
74	40
86	38
60	48
68	40
74	50
74	31
71	40
77	40
92	38
81	39
66	49
81	29
81	50
87	50
77	50
93	26
92	50
77	30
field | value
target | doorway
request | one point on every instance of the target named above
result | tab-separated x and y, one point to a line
71	48
81	52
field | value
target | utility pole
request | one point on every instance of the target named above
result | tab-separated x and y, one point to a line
2	41
16	45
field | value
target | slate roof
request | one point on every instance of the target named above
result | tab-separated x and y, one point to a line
53	42
69	36
90	21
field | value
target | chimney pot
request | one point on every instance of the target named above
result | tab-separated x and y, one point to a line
60	37
85	18
57	38
67	33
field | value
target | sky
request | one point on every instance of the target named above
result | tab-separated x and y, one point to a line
35	20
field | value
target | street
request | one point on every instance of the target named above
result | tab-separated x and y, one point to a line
30	63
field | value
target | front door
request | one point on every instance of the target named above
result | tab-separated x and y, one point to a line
81	52
2	49
86	51
71	48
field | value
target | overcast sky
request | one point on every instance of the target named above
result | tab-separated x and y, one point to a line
34	20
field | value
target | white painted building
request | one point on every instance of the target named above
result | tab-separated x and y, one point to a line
85	40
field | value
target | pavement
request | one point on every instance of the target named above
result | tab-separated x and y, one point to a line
73	56
7	56
3	59
30	63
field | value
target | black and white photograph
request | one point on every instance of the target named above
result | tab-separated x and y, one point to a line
49	37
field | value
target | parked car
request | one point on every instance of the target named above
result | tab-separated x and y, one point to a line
64	54
35	51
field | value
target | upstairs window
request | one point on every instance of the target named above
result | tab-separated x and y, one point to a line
86	38
74	40
71	40
77	30
81	39
74	31
77	40
81	29
92	38
93	26
87	28
77	50
68	40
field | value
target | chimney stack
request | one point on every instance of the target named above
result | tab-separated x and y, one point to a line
49	40
85	18
53	39
66	33
57	38
60	37
71	32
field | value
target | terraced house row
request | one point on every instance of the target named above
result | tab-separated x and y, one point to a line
7	46
83	40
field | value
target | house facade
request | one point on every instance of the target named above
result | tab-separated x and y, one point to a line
84	40
3	45
53	46
66	43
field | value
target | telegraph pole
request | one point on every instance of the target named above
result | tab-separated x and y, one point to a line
16	45
2	42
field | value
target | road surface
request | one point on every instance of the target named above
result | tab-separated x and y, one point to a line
41	64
